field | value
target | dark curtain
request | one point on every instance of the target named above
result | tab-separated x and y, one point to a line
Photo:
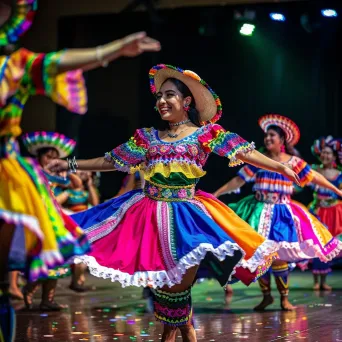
281	69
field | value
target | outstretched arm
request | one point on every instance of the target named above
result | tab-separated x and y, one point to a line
234	184
260	160
91	58
323	182
96	164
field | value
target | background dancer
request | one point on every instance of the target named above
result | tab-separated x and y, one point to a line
274	215
326	205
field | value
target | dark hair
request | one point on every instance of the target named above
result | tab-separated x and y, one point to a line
335	154
192	113
44	150
288	148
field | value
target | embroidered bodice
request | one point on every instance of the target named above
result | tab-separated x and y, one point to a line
275	183
178	163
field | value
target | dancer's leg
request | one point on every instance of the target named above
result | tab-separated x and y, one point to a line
265	286
173	307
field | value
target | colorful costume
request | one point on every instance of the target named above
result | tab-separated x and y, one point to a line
169	225
25	200
326	205
273	214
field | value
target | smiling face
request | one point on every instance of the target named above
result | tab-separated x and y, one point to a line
171	102
273	140
327	156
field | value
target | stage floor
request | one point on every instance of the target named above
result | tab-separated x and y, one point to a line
114	314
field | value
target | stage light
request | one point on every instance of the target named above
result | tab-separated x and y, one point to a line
247	29
329	12
277	17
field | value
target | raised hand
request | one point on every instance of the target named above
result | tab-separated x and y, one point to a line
137	43
291	175
57	165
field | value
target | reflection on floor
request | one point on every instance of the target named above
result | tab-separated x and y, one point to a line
114	314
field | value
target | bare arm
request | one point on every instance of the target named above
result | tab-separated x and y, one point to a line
93	195
96	164
260	160
323	182
234	184
91	58
76	182
62	198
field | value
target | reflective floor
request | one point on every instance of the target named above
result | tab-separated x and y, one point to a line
114	314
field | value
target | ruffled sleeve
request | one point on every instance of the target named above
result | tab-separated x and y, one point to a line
248	173
303	170
67	89
36	74
131	156
226	144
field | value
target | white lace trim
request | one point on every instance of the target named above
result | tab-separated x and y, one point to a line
267	248
158	279
295	251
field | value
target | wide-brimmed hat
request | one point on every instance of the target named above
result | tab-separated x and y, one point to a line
208	103
291	130
38	140
19	21
329	141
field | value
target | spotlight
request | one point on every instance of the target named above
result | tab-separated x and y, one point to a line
277	17
247	29
328	12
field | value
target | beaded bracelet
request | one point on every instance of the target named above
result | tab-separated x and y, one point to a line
72	165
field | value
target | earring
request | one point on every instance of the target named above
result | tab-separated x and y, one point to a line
156	108
334	164
283	150
186	107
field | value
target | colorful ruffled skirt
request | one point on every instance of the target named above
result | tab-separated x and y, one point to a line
44	237
143	240
298	234
331	216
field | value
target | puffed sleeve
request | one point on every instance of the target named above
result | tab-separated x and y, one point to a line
67	89
224	143
131	155
26	73
303	170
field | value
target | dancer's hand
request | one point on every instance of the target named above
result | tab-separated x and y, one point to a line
137	43
57	165
290	174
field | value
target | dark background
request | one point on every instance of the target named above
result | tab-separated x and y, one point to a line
282	68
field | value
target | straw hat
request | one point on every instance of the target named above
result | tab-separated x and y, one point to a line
208	103
292	133
38	140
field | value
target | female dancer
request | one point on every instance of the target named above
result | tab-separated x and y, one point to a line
327	206
273	214
26	207
46	146
159	235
